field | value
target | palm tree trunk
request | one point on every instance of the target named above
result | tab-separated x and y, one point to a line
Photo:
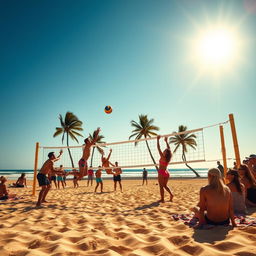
71	159
184	159
151	155
92	155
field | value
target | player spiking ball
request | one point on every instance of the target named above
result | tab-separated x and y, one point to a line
83	167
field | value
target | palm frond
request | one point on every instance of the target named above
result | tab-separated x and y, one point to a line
76	133
73	137
59	131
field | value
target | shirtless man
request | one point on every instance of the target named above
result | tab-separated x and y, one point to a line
106	163
42	176
117	177
86	154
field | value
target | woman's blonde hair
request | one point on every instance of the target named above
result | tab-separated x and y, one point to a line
216	181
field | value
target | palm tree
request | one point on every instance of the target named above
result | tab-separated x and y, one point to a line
98	140
69	126
144	128
184	140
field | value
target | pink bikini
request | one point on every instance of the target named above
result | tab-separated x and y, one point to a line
163	172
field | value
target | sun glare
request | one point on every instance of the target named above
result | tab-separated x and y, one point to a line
216	48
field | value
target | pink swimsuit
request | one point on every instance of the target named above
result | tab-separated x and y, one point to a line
163	172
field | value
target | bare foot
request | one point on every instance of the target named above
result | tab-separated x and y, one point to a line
161	201
44	201
38	205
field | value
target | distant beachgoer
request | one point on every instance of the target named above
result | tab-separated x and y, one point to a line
145	176
90	176
117	171
163	174
65	174
3	190
106	163
21	182
52	175
99	180
4	195
60	176
86	154
75	180
234	166
250	185
42	176
215	206
237	190
221	168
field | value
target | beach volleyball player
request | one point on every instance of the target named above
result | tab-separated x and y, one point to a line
83	167
42	178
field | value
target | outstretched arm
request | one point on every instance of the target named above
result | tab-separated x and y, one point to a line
110	152
158	146
166	141
96	136
58	157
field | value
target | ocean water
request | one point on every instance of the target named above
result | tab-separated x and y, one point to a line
127	173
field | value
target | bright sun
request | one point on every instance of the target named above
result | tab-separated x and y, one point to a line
216	48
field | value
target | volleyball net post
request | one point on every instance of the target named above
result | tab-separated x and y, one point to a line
234	137
223	150
35	169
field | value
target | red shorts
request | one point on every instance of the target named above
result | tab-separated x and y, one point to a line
163	172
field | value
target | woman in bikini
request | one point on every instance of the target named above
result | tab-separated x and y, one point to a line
163	174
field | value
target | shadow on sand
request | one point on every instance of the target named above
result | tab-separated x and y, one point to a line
147	206
218	233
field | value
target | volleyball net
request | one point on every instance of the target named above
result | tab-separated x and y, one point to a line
137	154
132	153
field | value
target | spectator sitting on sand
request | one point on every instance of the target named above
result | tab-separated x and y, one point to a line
21	182
4	195
250	185
215	205
251	163
238	192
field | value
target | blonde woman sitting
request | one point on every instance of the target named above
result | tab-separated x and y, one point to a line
215	206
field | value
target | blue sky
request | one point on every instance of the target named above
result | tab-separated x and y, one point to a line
80	56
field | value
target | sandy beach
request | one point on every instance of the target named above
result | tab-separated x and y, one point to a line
80	222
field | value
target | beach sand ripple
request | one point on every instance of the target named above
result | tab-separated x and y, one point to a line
132	223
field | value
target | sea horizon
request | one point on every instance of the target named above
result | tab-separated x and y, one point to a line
127	173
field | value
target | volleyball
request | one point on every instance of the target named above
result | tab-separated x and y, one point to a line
108	109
